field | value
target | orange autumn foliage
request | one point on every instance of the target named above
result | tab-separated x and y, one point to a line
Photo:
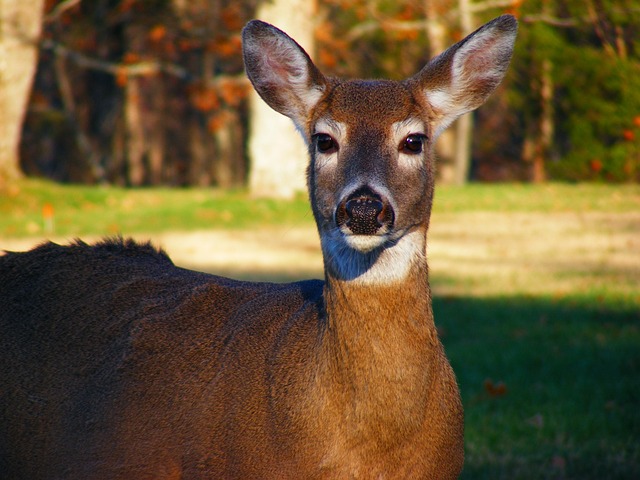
498	389
327	58
232	17
216	122
122	77
157	33
233	93
226	47
130	58
204	99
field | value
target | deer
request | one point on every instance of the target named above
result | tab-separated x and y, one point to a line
117	364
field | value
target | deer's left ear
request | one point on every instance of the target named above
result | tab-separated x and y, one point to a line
460	79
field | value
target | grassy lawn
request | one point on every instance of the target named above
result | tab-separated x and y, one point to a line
537	297
81	210
551	388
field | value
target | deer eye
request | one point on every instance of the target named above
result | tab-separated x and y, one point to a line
413	144
325	143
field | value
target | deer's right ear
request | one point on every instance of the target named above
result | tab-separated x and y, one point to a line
281	71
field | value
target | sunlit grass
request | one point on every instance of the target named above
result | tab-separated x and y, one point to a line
82	210
550	197
96	210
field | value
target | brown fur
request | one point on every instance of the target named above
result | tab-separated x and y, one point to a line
116	364
146	370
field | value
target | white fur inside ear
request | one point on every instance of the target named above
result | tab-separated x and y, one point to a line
310	97
444	106
476	69
280	64
480	60
290	69
440	100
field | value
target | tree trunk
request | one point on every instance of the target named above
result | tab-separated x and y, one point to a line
20	25
445	146
539	139
277	154
464	125
156	151
229	169
546	123
134	133
87	152
199	160
539	132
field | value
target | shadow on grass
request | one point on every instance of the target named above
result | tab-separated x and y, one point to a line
551	387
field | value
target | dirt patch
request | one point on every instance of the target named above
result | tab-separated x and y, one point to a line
469	253
534	253
268	254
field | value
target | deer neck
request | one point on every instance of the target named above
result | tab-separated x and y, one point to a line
381	339
379	292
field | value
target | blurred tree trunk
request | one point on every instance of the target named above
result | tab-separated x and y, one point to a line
538	139
156	135
277	153
201	140
20	25
200	145
143	130
453	148
547	126
539	135
437	34
230	168
464	125
134	133
156	157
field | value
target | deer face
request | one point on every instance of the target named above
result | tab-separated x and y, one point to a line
370	175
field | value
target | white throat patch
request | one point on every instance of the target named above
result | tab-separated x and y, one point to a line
382	266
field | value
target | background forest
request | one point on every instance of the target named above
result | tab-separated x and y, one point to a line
152	92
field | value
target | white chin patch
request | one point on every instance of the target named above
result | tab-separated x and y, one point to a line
365	243
371	259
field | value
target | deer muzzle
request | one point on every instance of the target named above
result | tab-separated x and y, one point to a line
365	212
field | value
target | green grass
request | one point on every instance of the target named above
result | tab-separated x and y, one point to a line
570	363
551	197
571	369
81	210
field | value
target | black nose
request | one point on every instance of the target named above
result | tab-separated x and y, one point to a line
364	212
